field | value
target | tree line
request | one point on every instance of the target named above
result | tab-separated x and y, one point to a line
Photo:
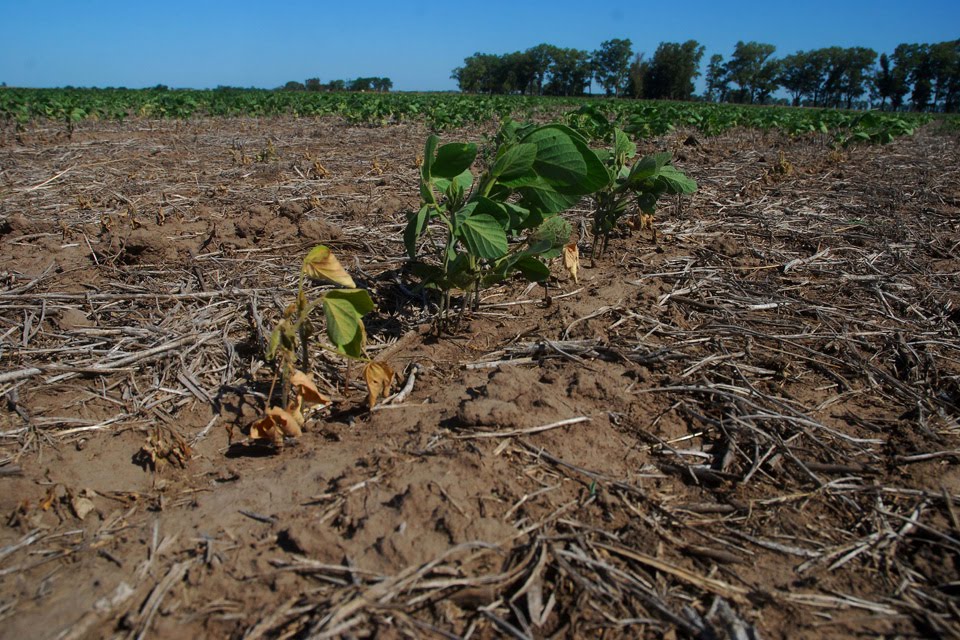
380	85
922	77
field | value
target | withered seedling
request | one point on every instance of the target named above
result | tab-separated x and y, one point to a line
289	346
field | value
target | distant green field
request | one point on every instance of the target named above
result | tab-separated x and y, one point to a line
19	107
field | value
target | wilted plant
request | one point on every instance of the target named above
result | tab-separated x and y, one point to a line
343	310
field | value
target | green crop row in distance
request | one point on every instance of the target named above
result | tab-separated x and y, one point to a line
639	119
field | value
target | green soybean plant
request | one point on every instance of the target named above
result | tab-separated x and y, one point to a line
640	184
504	221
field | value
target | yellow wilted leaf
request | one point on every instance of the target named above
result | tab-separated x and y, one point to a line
321	264
379	377
306	389
571	259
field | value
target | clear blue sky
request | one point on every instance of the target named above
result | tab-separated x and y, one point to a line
49	43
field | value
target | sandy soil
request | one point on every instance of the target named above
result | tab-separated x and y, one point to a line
746	429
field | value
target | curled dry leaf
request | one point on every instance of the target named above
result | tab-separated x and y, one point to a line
379	377
571	260
321	264
278	423
306	389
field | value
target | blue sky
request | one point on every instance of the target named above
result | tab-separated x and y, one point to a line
416	44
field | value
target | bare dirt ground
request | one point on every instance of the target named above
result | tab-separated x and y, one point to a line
747	429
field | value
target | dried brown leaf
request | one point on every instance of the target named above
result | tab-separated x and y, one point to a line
571	260
379	377
307	390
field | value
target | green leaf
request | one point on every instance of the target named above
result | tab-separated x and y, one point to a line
518	216
515	163
676	181
532	269
623	147
543	198
453	159
549	237
565	160
416	225
359	299
343	321
429	150
648	167
354	348
558	159
497	210
483	235
464	181
344	309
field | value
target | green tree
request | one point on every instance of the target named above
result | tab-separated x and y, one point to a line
856	63
915	60
569	73
313	84
801	74
672	70
890	83
540	59
754	70
337	85
611	63
360	84
718	80
945	63
382	85
636	75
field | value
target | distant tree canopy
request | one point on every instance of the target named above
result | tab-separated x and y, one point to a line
669	75
381	85
924	77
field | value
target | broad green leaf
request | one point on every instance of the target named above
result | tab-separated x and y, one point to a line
453	159
543	198
676	180
321	264
464	181
343	321
416	224
497	210
566	161
359	299
647	202
515	163
558	159
648	167
518	216
623	146
354	348
532	269
484	236
597	176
